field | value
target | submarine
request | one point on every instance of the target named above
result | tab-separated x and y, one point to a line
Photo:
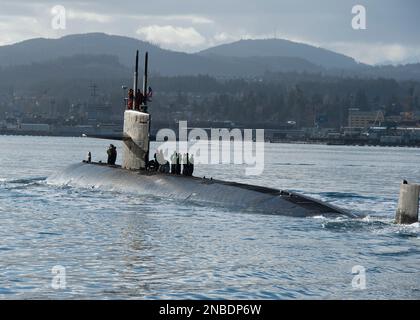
134	176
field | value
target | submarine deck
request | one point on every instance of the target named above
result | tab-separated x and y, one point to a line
203	189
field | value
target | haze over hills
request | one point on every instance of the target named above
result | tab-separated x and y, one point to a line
245	58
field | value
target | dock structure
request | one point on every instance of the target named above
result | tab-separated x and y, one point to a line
408	204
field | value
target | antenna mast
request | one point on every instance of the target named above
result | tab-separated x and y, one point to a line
136	77
145	89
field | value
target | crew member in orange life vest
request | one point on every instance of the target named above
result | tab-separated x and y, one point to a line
130	99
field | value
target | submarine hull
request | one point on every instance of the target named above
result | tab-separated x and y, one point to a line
184	188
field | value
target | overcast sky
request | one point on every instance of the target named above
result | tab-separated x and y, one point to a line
392	34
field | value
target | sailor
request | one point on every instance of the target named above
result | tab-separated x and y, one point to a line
156	161
152	165
109	153
166	167
161	157
178	163
130	99
156	157
191	161
139	100
173	162
186	162
112	154
161	162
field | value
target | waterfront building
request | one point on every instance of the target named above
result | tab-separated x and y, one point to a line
364	119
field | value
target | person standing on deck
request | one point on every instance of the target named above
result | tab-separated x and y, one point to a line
139	100
130	99
186	168
191	161
112	154
178	163
173	162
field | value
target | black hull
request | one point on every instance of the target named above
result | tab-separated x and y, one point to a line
207	191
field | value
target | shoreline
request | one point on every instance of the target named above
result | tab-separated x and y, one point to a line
315	142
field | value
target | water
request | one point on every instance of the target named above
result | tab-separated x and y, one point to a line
122	246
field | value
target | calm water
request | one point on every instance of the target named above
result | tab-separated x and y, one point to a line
125	246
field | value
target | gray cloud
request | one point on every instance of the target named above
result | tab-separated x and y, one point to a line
392	26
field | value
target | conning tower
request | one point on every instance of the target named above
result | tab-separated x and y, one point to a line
137	126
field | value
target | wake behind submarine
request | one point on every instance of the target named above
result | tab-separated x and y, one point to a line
135	176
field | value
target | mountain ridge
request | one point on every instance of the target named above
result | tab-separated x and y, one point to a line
43	49
282	48
244	58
